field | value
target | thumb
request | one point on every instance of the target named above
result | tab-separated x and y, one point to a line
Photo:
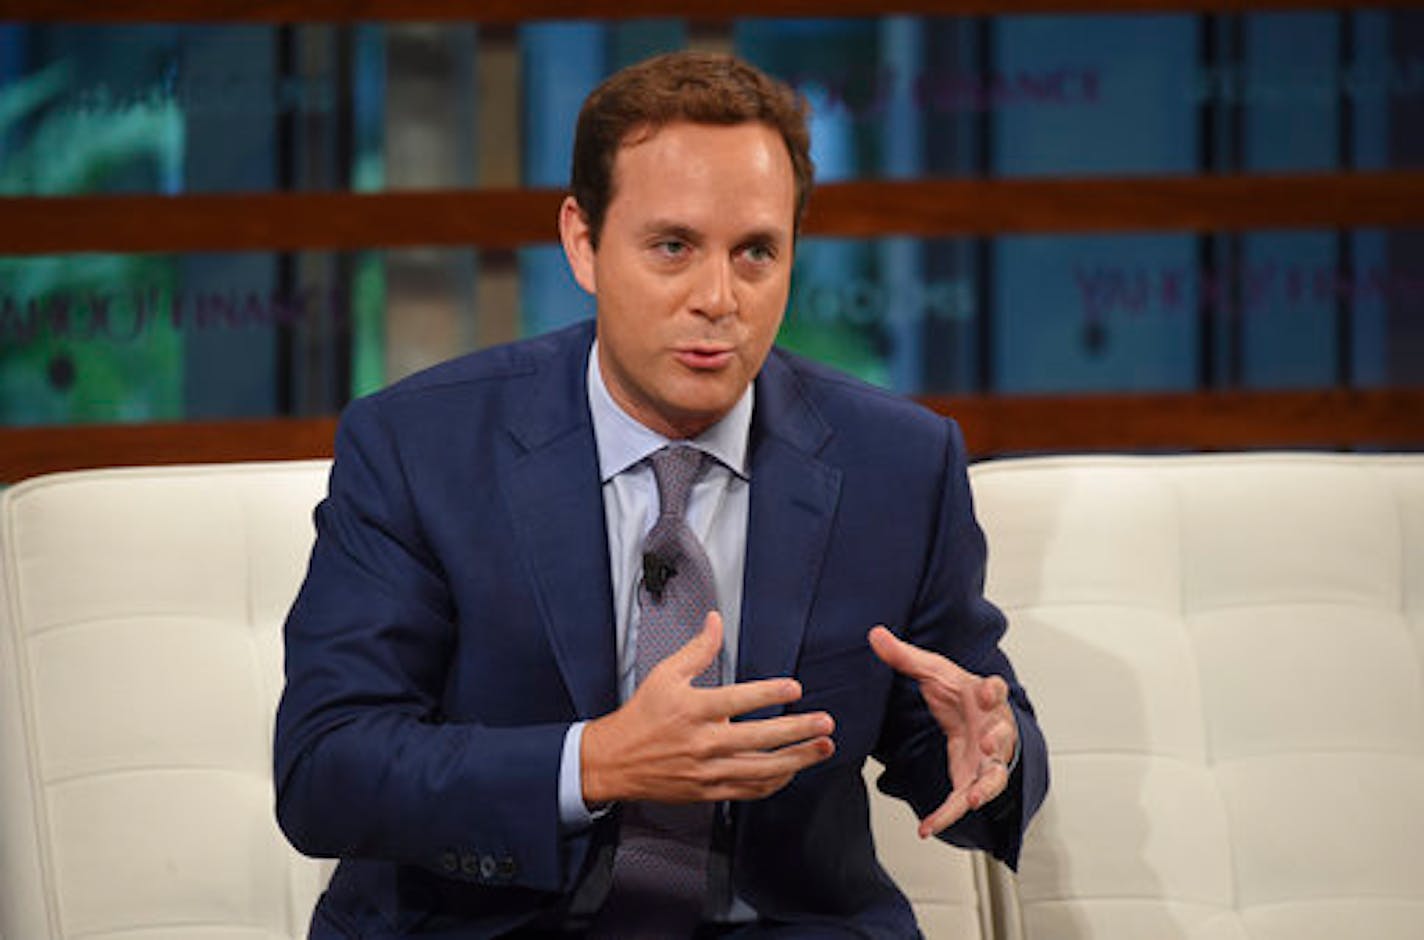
701	651
916	663
897	654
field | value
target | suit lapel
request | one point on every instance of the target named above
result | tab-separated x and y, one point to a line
556	502
793	501
557	506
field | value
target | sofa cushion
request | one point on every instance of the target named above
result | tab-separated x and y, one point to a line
140	663
1225	652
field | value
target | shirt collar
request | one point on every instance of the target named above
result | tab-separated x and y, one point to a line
623	441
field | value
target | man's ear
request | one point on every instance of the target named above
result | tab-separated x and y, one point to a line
577	239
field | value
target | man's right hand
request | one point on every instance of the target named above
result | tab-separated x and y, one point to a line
673	742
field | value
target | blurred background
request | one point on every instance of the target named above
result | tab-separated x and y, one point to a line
1195	215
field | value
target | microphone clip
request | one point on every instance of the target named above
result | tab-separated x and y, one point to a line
657	572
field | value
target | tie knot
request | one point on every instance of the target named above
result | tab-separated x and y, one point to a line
676	469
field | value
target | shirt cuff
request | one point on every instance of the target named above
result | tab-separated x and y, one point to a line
573	814
1018	746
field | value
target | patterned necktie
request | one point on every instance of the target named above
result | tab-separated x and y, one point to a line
678	587
660	867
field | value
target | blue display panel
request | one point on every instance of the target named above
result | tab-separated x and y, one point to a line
180	109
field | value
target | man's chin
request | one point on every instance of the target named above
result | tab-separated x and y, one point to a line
692	415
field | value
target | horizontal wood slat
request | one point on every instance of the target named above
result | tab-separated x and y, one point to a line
28	452
992	425
509	218
505	12
1192	203
1210	421
278	221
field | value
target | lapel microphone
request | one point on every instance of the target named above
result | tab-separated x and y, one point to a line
657	572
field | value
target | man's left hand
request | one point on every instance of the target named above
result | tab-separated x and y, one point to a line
974	713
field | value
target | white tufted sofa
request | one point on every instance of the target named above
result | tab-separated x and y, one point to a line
140	664
1225	653
1227	656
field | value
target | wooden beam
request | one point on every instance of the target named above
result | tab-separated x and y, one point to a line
491	218
1210	421
506	12
27	452
1391	418
510	218
1181	204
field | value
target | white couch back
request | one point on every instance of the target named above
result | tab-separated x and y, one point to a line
140	665
1225	653
1227	656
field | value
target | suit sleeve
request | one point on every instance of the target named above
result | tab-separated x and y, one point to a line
953	617
365	764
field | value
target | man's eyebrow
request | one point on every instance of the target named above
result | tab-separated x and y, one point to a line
663	228
666	228
763	236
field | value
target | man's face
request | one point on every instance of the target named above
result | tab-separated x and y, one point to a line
692	269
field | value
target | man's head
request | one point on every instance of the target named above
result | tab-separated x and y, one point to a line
691	87
695	170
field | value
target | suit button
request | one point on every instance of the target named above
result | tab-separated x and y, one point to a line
449	863
487	867
470	865
507	868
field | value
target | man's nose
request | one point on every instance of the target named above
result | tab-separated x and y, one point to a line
714	294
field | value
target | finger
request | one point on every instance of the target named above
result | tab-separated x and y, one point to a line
699	652
728	701
950	812
999	740
754	773
993	779
992	692
748	789
771	733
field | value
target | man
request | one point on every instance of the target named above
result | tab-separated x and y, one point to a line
486	716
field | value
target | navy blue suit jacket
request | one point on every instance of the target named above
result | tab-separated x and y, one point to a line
458	615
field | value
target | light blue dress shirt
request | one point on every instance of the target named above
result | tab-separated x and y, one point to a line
716	511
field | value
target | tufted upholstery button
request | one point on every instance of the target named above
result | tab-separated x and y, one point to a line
470	865
449	863
507	868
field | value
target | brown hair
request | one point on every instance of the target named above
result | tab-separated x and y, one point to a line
700	87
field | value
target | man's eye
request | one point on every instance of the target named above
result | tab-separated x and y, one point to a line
759	254
671	248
